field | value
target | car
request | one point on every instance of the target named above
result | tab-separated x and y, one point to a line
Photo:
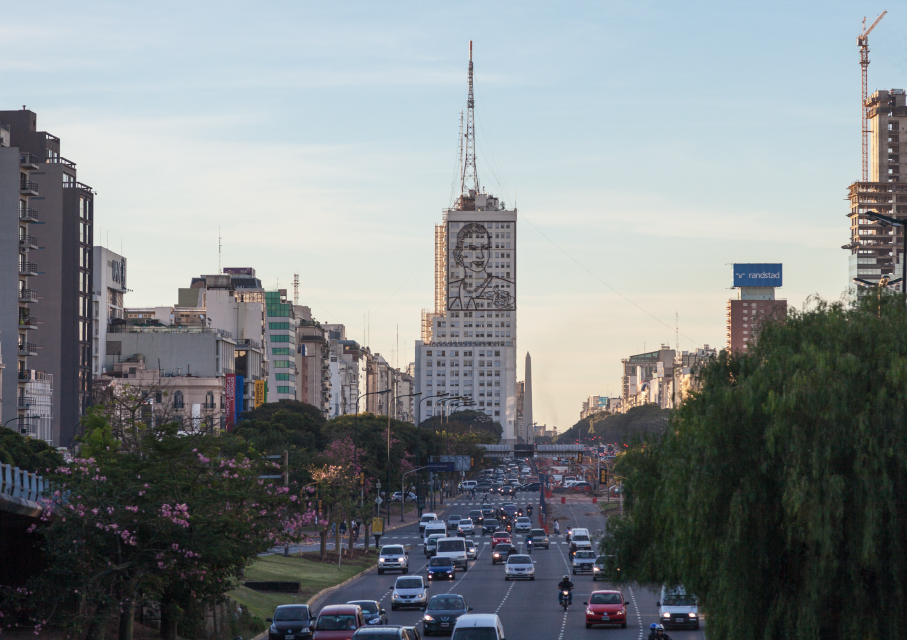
433	528
290	622
471	552
581	538
490	525
483	487
471	626
409	592
372	612
466	527
442	613
526	469
476	516
598	569
431	544
413	632
584	487
510	509
441	567
487	512
583	561
606	607
338	622
519	566
540	539
503	551
506	490
425	519
393	557
498	537
678	609
452	521
534	487
523	524
410	496
394	632
453	548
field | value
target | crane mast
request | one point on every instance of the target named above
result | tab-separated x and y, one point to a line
863	44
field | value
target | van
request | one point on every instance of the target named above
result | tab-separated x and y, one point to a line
677	608
426	518
581	538
435	526
453	548
489	624
469	484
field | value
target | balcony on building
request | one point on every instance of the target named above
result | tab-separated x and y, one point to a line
28	269
28	161
28	215
62	160
24	402
28	322
28	242
28	188
28	349
28	295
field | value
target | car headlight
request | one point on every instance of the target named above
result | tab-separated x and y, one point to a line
380	559
595	569
400	559
692	615
666	615
590	612
622	612
427	618
374	621
395	596
274	628
429	576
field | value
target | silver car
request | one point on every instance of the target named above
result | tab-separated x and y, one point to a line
471	552
519	566
523	524
393	557
409	591
465	527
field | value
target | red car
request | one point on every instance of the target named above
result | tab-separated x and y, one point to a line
606	607
338	622
498	537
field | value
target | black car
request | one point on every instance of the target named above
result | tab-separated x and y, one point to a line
487	512
506	490
477	517
442	612
441	567
290	620
501	552
534	487
490	525
372	612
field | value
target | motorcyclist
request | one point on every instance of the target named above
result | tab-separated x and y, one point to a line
573	550
657	632
529	541
566	585
529	510
568	534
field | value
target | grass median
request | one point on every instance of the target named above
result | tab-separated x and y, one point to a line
307	569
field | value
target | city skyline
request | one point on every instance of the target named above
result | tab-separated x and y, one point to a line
651	159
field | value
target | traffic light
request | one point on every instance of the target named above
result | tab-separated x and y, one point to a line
579	458
320	507
472	463
362	478
603	477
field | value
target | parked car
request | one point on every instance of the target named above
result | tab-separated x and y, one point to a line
290	622
393	557
372	612
606	607
410	496
584	487
338	622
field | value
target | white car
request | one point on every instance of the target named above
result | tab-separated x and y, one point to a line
583	562
523	524
409	591
677	608
519	566
466	527
393	557
410	496
471	552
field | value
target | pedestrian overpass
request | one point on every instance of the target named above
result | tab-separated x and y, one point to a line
20	551
516	450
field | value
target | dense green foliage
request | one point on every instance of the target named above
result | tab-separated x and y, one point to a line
27	453
618	428
778	493
478	423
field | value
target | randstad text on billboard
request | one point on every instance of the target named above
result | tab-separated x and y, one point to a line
757	275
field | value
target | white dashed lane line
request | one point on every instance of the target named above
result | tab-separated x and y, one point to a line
506	595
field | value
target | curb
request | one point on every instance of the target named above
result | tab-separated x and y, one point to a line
327	590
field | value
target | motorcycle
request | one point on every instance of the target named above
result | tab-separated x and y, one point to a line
529	546
564	598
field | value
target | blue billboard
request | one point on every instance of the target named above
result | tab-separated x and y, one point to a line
757	275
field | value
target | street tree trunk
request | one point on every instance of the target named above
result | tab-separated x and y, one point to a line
98	626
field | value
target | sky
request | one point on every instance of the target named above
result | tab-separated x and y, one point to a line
646	145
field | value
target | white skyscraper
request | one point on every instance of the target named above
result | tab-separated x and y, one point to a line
468	345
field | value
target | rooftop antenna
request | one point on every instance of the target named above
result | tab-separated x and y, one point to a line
295	289
470	173
677	332
219	245
863	44
460	157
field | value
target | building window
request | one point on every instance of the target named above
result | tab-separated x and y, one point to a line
280	351
285	389
282	364
209	400
279	325
279	338
177	399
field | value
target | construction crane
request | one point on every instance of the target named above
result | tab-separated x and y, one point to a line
863	44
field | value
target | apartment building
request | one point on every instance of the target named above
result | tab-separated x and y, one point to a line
64	206
756	285
108	276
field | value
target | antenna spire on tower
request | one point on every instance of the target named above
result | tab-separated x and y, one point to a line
469	174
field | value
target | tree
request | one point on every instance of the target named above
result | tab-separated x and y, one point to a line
168	517
27	453
613	428
777	493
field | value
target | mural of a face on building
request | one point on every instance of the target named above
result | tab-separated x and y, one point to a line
480	288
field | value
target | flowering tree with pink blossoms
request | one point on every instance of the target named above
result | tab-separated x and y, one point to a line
175	520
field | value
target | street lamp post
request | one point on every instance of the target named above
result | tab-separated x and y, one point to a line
419	434
402	500
19	418
370	393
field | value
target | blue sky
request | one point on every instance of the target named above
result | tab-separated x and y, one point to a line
655	143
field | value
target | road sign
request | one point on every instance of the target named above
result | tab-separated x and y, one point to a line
379	500
377	526
441	467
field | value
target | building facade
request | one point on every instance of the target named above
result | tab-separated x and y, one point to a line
64	277
108	306
281	346
875	251
754	304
